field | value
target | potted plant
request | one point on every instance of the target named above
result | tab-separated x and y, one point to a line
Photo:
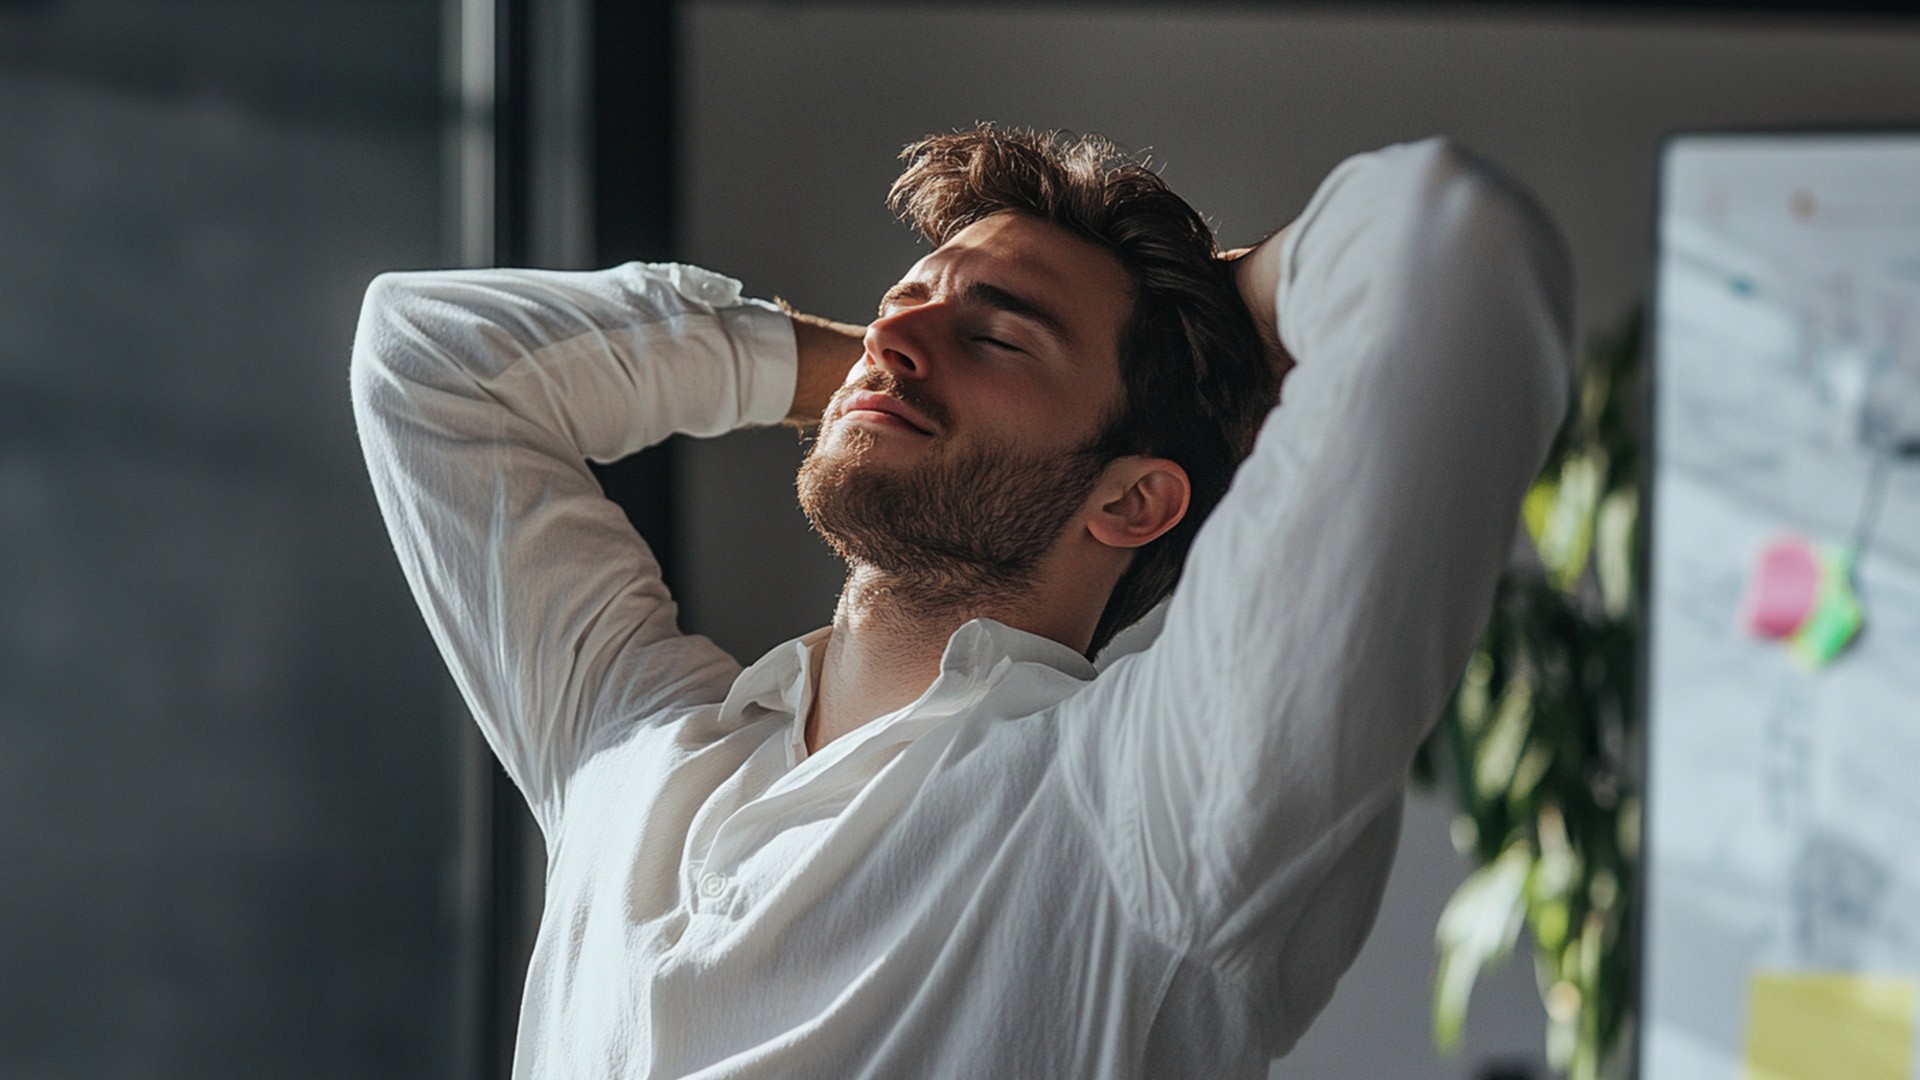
1536	742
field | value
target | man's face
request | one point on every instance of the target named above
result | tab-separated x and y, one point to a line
957	448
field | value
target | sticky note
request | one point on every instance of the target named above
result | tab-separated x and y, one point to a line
1802	593
1835	619
1783	588
1827	1025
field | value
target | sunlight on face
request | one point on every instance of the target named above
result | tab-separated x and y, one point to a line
958	448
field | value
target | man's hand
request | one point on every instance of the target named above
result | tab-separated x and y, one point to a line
1256	271
828	350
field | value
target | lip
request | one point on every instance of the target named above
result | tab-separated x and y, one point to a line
886	405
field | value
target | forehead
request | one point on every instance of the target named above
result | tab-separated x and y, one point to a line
1079	281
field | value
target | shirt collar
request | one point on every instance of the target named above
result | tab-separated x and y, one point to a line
779	682
1135	638
981	644
978	657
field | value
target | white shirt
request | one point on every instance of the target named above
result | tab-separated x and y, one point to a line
1035	869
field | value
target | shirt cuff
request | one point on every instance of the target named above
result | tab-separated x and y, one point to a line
770	356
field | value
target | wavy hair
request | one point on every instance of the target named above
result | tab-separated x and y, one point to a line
1195	371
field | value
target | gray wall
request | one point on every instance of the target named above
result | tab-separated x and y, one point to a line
793	114
228	769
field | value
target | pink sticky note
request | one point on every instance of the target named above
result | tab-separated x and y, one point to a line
1784	586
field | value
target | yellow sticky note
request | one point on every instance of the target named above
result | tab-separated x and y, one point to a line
1828	1025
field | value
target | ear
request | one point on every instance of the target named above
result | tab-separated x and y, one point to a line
1138	499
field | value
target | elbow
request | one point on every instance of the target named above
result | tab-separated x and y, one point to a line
1500	230
376	342
393	349
388	365
1495	258
378	336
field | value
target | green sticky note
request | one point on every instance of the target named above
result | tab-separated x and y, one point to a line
1835	619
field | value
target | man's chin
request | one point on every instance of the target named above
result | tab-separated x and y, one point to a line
853	450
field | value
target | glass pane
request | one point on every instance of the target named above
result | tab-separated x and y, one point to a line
229	765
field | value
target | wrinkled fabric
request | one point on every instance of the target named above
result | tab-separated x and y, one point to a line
1157	867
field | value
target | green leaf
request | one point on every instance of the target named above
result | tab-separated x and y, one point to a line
1549	921
1556	869
1539	732
1479	925
1536	509
1566	533
1613	550
1505	739
1470	702
1531	769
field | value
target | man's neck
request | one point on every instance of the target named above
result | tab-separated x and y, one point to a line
884	651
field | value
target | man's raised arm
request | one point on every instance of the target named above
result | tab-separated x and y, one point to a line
828	350
1244	775
480	395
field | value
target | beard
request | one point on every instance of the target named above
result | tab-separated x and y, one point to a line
962	529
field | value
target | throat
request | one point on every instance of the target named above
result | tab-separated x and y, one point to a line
920	604
890	632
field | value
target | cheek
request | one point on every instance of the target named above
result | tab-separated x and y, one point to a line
1038	412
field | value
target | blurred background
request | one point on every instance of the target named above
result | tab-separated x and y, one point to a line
245	828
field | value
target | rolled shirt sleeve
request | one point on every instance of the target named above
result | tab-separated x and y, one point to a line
480	396
1244	774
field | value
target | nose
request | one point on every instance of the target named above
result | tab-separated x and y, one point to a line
903	342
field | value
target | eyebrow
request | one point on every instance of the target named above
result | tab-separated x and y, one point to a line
993	296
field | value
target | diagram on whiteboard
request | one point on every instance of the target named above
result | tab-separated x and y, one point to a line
1783	831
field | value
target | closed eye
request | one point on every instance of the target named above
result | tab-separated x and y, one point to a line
998	344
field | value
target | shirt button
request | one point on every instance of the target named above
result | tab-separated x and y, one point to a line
713	885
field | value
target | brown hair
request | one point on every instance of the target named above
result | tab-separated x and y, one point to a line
1196	377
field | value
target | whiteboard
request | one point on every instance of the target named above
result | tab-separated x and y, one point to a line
1782	830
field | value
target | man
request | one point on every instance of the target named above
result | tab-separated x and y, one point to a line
931	839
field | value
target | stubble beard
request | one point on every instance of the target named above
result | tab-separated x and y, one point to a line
964	530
